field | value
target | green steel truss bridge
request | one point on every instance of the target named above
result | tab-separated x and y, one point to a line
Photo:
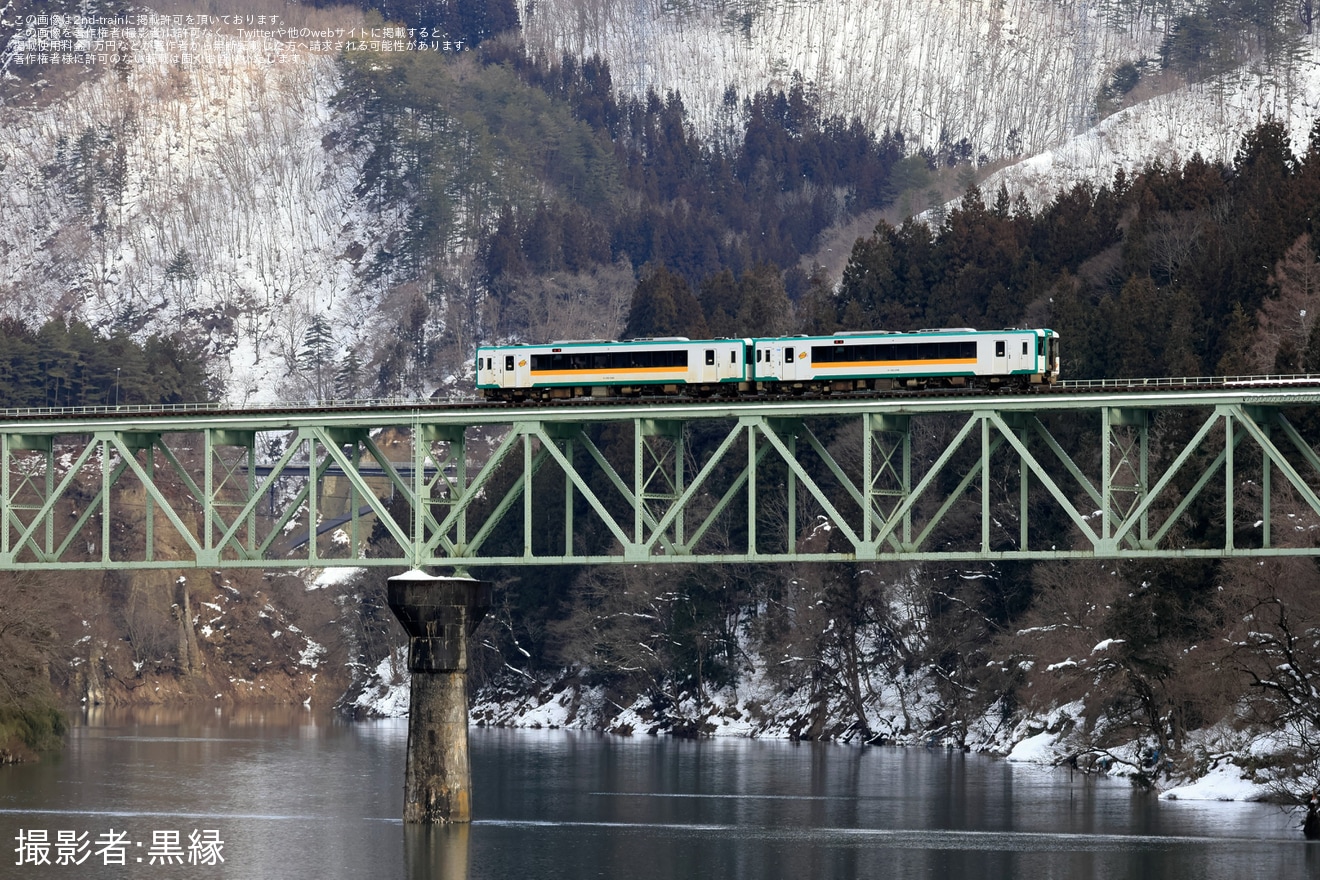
1083	472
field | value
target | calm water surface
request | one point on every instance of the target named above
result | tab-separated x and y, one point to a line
293	794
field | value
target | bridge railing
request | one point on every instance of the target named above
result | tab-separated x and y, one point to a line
212	406
1160	383
1186	382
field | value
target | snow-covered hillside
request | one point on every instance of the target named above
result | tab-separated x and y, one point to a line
1017	79
1209	118
195	198
1013	77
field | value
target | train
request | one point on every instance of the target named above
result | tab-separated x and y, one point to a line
848	362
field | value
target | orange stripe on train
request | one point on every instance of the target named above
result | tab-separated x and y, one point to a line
840	365
676	371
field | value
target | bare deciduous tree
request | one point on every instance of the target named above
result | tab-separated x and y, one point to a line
1285	320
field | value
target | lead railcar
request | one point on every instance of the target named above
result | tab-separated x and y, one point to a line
884	361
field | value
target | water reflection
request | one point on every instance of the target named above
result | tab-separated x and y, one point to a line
436	851
300	794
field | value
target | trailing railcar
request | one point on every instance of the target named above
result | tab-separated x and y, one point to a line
885	361
871	360
605	368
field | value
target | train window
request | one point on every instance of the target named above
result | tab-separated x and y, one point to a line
710	357
652	359
788	355
1040	346
999	348
508	362
1024	349
733	357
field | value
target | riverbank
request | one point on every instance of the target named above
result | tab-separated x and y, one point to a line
29	729
1226	762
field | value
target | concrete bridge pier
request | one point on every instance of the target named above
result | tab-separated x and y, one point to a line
439	613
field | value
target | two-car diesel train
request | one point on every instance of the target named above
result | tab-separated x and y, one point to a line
845	362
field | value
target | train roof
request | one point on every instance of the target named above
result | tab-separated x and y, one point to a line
662	340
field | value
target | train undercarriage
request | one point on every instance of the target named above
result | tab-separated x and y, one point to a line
741	390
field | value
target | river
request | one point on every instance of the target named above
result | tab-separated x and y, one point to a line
288	794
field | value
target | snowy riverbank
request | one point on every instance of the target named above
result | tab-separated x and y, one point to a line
1220	763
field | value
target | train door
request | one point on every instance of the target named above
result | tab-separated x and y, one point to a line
763	363
730	358
517	371
710	368
999	363
493	373
789	370
486	375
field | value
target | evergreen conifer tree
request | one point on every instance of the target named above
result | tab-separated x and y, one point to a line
317	354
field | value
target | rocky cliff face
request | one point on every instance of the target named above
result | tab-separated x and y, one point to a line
220	638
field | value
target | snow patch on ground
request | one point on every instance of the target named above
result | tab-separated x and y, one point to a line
1042	748
311	655
333	577
386	692
1225	781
